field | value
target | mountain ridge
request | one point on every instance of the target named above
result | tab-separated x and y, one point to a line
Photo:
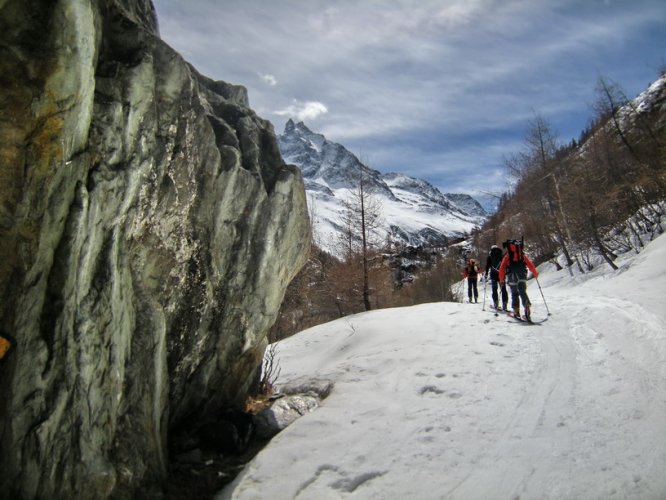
414	211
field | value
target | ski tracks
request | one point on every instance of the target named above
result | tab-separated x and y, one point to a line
528	456
589	401
621	404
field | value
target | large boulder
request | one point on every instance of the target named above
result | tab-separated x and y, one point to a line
148	229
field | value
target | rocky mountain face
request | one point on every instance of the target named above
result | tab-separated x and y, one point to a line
325	164
148	230
413	211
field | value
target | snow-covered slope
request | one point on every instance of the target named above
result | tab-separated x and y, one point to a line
652	99
645	114
447	401
413	211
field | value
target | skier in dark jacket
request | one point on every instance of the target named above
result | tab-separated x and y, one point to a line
492	270
514	267
471	272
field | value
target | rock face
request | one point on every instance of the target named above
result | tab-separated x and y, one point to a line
148	229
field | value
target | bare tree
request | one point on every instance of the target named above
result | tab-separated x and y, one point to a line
593	196
361	217
536	203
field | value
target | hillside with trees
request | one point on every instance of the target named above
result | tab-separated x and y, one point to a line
592	197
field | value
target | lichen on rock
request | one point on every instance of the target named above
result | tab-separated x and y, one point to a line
149	228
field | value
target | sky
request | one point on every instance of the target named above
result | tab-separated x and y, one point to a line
439	90
447	401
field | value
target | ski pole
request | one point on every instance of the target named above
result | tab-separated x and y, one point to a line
485	283
544	298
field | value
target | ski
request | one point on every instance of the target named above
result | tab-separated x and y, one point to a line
509	313
530	321
517	318
495	311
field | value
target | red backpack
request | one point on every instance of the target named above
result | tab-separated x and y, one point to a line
514	250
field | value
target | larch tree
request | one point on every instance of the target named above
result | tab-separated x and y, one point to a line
361	217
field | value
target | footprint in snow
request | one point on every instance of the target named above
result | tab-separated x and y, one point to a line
432	389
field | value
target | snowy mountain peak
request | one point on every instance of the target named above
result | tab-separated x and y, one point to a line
301	131
453	201
413	211
326	162
299	134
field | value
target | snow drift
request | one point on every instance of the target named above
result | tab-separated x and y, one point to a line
446	400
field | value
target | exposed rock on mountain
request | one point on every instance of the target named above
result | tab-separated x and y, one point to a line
413	211
326	163
149	227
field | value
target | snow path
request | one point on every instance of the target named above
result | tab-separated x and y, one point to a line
446	401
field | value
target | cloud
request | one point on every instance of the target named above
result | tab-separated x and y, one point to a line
303	111
269	79
434	88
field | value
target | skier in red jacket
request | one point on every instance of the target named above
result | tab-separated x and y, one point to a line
514	267
471	272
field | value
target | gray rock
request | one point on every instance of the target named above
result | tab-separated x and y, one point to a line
282	413
321	388
149	228
298	397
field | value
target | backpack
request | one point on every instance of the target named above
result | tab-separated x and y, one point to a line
495	257
514	249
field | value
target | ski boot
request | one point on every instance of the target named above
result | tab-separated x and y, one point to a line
516	312
527	313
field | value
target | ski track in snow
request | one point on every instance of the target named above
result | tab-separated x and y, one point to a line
446	401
